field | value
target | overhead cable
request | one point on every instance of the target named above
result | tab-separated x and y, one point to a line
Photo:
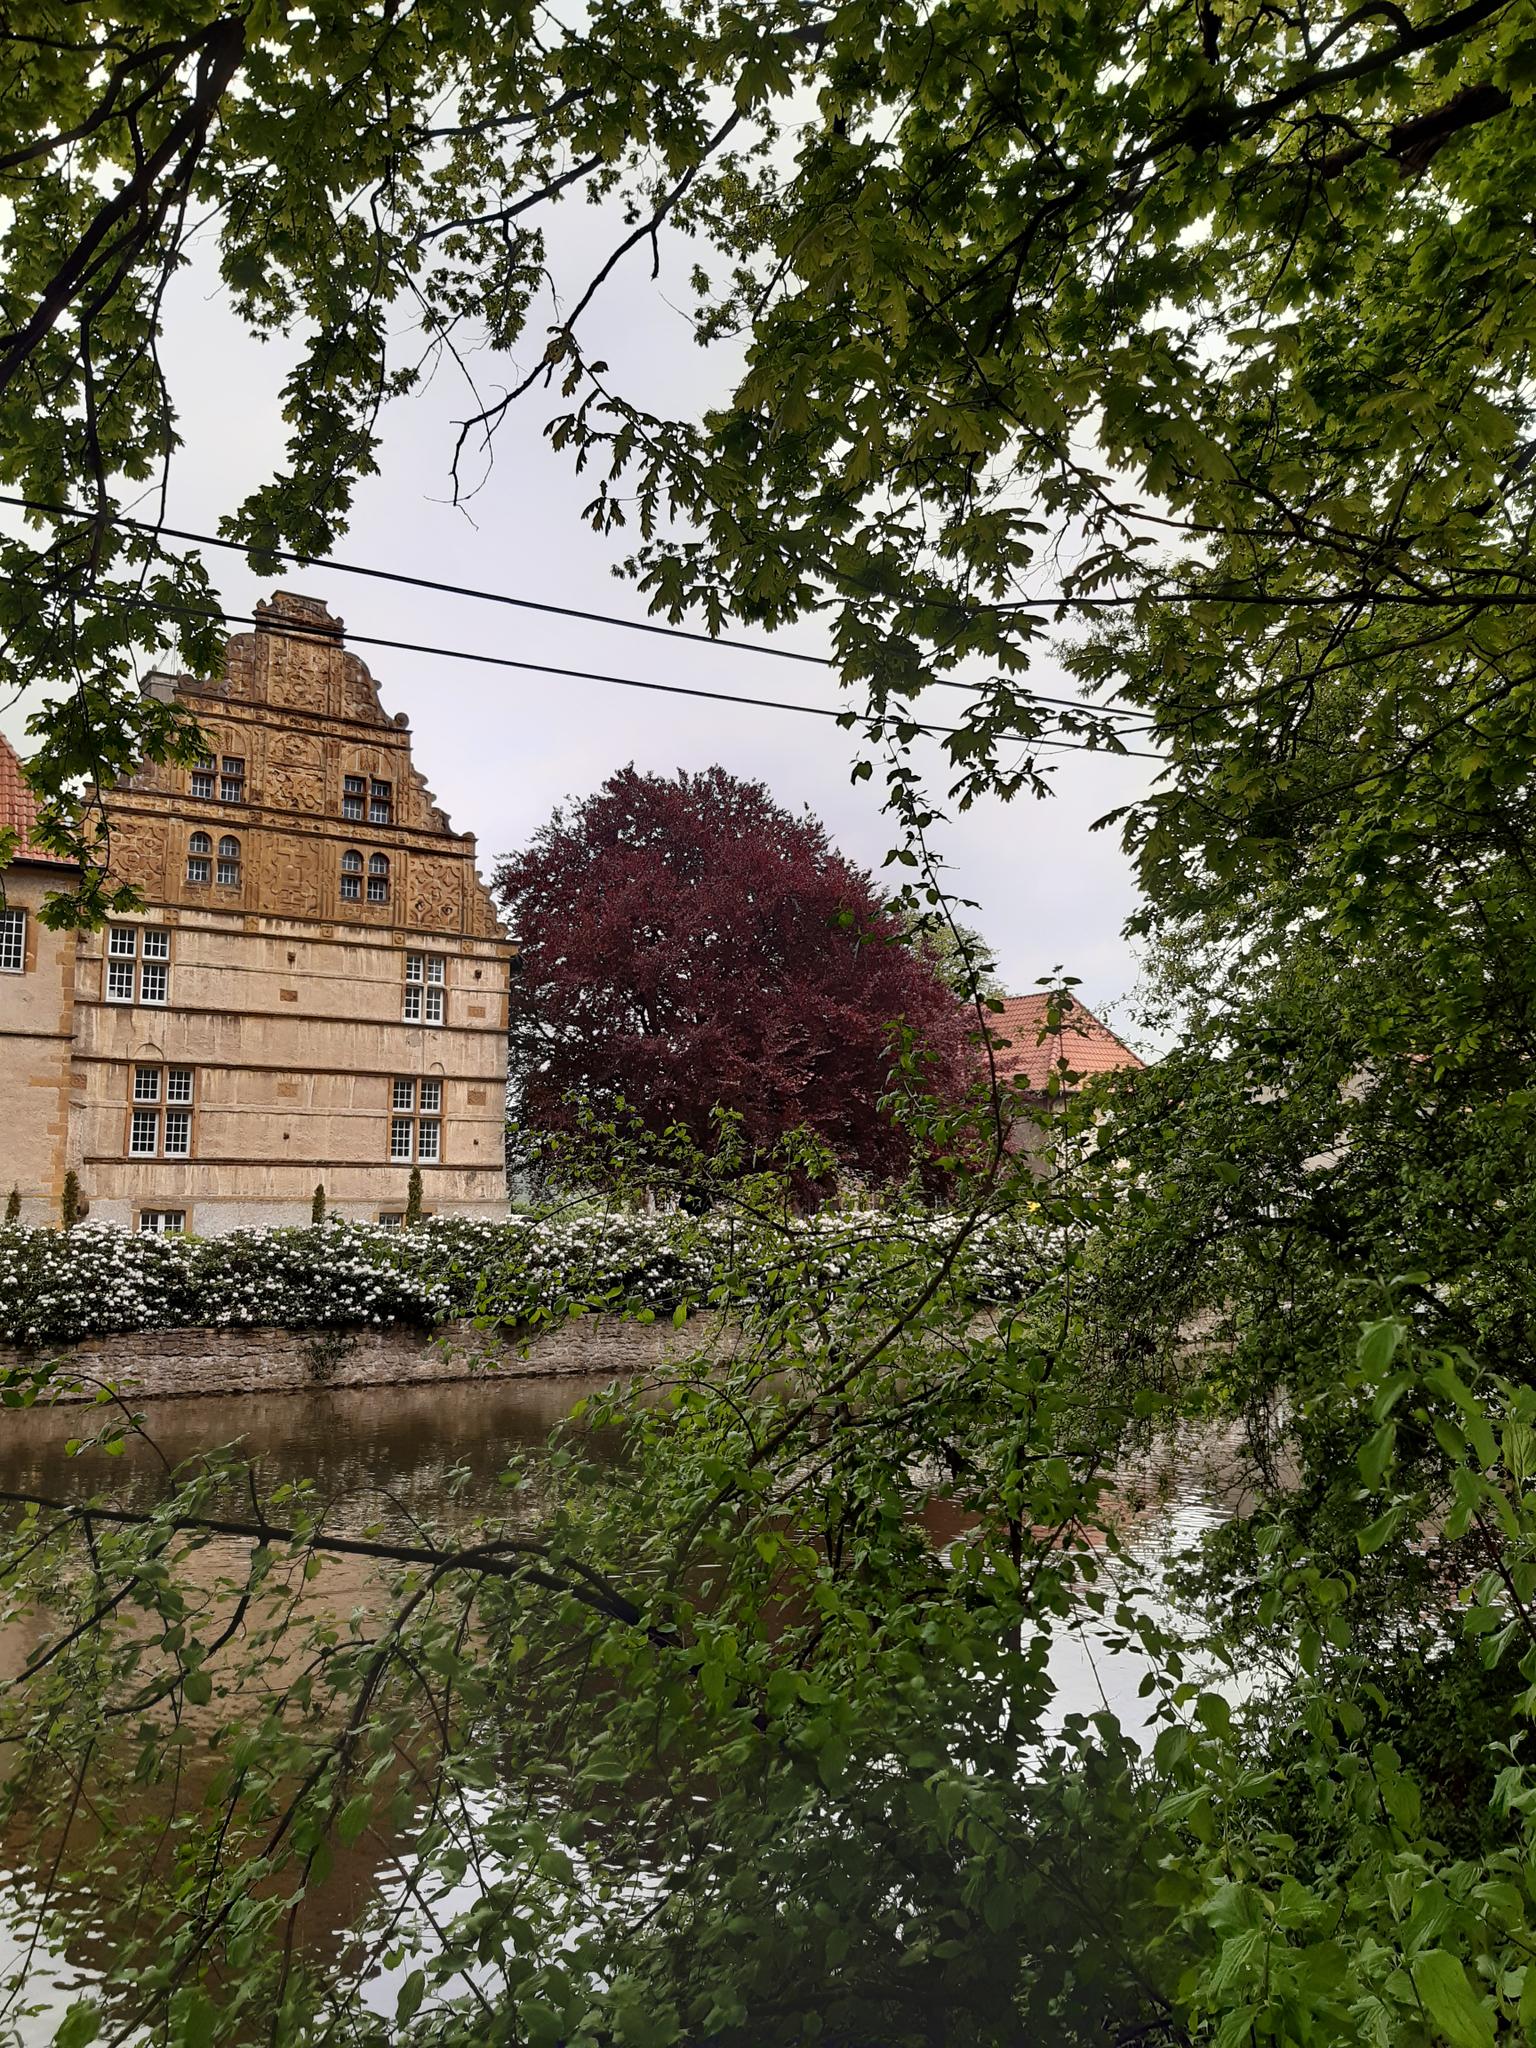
544	668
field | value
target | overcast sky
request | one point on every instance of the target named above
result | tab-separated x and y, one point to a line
501	749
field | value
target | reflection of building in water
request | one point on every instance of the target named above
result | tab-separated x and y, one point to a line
315	989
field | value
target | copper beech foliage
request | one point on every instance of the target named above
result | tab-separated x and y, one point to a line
689	946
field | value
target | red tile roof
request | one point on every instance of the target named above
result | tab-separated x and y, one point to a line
18	810
1081	1043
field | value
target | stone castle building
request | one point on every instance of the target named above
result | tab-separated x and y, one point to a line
315	990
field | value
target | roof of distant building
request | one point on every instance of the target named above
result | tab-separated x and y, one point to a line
1080	1043
18	811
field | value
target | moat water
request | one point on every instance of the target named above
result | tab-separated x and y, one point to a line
406	1458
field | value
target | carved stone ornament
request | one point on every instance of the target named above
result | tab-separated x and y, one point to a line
138	852
435	895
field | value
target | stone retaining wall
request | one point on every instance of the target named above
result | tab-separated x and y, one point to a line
163	1364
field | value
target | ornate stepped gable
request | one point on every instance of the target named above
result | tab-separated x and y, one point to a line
299	714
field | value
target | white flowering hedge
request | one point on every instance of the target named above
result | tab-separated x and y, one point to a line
57	1286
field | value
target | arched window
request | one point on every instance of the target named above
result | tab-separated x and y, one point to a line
199	866
229	862
351	876
378	878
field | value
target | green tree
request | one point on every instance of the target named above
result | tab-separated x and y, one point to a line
317	1205
413	1196
1206	333
69	1201
13	1206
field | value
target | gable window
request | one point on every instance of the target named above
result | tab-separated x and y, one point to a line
424	976
160	1120
13	941
351	876
380	802
378	878
138	963
199	862
415	1125
202	777
229	862
353	790
232	779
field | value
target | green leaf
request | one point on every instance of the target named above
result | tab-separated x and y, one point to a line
1378	1343
79	2025
1450	2001
1376	1533
1375	1454
411	1993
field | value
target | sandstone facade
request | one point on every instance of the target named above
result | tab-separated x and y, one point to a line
315	990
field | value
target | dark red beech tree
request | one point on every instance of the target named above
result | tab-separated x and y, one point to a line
688	943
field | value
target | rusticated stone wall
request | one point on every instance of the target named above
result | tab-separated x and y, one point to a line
164	1364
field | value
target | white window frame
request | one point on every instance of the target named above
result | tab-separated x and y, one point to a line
164	1098
138	964
13	942
425	988
159	1223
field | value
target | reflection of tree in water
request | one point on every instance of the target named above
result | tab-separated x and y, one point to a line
408	1463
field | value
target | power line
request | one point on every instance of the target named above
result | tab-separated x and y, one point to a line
587	675
531	604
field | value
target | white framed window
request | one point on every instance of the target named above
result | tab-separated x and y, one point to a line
163	1222
202	777
232	779
199	864
351	876
138	963
381	802
425	974
229	862
378	878
354	788
154	1133
13	941
413	1135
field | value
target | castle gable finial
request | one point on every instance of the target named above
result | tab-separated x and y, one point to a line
286	610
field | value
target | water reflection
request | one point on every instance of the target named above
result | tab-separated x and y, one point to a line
409	1459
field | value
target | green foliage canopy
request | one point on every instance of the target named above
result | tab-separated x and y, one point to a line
1203	332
